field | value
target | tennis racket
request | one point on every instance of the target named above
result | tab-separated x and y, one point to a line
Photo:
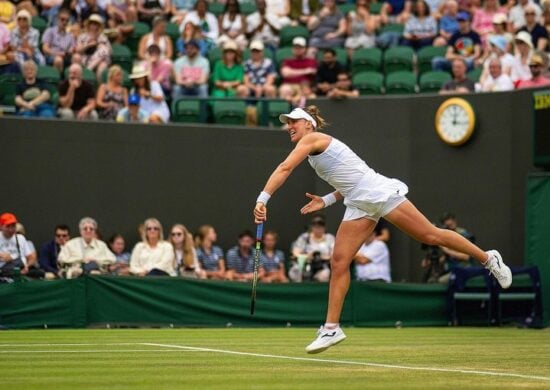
259	234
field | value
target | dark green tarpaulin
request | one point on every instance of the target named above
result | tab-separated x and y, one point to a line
121	301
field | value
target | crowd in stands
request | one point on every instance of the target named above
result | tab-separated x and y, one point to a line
179	253
127	60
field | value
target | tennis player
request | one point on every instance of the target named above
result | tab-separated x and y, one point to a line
368	196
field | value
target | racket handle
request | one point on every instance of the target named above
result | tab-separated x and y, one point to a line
259	231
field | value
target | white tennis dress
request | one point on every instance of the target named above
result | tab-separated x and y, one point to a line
366	193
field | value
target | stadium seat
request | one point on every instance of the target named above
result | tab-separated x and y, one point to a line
288	33
8	82
366	60
216	8
369	83
248	8
522	302
425	56
187	111
214	54
433	81
122	56
341	55
346	8
398	58
393	27
40	24
281	54
375	8
273	109
467	285
173	31
230	112
54	95
401	82
140	29
48	74
475	74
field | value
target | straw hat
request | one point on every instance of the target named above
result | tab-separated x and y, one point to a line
138	71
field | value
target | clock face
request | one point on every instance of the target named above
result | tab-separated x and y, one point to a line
455	121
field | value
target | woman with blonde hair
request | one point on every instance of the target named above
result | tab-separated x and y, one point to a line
153	256
368	197
112	96
187	263
210	256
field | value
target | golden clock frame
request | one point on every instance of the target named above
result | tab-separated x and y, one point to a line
471	120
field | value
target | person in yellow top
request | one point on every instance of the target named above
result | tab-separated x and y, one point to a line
7	13
153	256
85	254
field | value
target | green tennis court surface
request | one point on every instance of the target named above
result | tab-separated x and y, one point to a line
499	358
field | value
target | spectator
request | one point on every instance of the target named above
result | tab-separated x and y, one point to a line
343	88
259	74
382	231
76	96
34	271
536	64
482	21
187	263
372	262
524	51
85	254
396	11
133	113
160	69
14	251
499	28
50	250
58	43
7	55
179	9
328	28
263	26
498	49
465	44
191	32
157	37
273	260
112	96
516	16
281	10
421	27
361	28
297	69
327	72
206	21
120	16
228	73
232	25
301	11
153	256
149	9
539	34
459	83
240	259
298	96
210	256
314	249
50	9
496	80
448	23
24	40
32	97
117	245
93	46
7	14
152	98
191	73
83	9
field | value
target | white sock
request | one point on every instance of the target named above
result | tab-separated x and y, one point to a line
331	325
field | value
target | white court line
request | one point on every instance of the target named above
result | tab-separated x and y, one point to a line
348	362
102	351
63	344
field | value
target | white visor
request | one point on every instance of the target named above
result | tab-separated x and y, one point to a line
297	113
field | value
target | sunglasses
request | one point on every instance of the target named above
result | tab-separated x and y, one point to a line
88	228
63	19
530	14
62	235
177	234
152	228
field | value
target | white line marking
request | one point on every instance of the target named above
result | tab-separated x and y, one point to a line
348	362
103	351
64	344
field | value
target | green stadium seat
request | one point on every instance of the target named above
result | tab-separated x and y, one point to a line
369	83
48	74
288	33
281	54
398	58
393	27
401	82
426	54
8	82
40	24
346	8
54	95
375	8
475	74
187	111
214	54
230	112
140	29
433	81
366	60
274	109
122	56
216	8
341	55
248	8
173	31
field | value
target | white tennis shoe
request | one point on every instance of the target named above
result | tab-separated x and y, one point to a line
326	338
498	269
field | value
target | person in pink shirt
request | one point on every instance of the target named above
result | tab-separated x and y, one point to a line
160	69
537	80
482	21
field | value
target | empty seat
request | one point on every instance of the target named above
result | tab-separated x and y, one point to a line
401	82
433	81
398	58
230	112
369	83
48	74
366	60
425	56
187	111
122	56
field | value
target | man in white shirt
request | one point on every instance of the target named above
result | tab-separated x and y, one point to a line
372	262
85	253
14	250
496	80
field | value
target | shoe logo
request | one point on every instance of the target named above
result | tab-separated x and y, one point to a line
329	334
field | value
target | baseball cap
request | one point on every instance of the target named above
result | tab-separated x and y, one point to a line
299	41
297	113
536	59
7	219
134	99
24	14
499	41
463	15
257	45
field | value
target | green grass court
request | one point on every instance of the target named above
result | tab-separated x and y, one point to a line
419	358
